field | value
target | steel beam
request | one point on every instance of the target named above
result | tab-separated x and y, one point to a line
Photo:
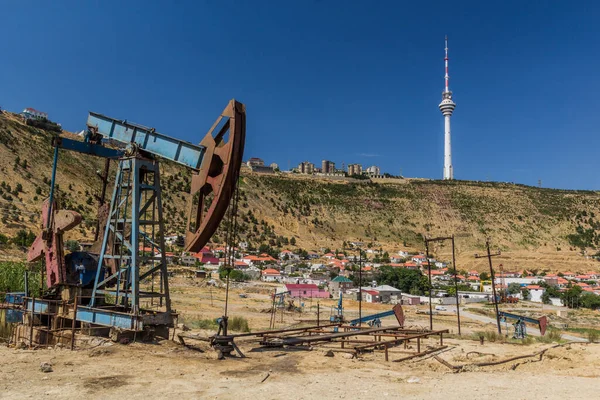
148	139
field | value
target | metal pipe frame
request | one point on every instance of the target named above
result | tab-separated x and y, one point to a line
135	176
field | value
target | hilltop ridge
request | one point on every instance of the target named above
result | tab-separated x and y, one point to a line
535	228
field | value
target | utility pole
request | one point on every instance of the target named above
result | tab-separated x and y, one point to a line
489	257
456	286
359	287
441	239
430	286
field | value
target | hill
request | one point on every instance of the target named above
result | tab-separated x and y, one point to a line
534	228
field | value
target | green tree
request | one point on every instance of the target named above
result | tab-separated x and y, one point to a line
407	280
72	245
293	241
572	297
590	300
484	276
23	238
513	288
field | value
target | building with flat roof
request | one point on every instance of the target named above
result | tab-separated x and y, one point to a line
327	167
354	169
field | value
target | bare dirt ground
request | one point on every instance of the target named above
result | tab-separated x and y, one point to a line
166	369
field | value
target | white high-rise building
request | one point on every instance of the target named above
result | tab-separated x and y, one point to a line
447	108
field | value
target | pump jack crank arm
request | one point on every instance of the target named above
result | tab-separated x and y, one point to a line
218	176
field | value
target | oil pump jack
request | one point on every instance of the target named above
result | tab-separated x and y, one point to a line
108	281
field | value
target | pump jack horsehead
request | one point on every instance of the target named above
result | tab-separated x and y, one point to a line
136	203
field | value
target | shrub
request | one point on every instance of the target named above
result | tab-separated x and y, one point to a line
239	324
201	323
552	335
593	336
12	277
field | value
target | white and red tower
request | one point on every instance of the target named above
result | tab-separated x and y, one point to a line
447	107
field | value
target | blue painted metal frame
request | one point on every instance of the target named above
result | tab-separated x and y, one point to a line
149	140
15	298
109	318
372	317
88	148
129	186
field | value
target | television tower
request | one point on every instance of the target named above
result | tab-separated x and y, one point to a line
447	107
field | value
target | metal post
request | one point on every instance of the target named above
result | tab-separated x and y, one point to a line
359	287
430	285
54	163
101	200
318	315
31	322
26	283
456	286
135	238
74	323
489	256
164	274
106	232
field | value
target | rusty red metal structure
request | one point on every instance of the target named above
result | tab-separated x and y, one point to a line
217	176
49	243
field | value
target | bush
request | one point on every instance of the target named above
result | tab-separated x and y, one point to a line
201	323
493	336
12	277
552	335
593	336
239	324
72	245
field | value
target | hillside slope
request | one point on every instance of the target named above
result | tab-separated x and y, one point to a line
535	228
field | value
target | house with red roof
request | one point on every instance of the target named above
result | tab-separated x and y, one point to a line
474	273
206	258
329	256
371	296
306	290
270	275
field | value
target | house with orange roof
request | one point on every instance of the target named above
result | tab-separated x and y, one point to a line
206	258
419	259
583	278
329	256
270	275
568	275
473	278
535	292
561	282
474	273
411	265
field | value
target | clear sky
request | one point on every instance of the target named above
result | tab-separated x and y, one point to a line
348	81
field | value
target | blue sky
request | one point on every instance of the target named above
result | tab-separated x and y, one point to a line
352	81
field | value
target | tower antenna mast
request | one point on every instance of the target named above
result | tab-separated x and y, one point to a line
447	108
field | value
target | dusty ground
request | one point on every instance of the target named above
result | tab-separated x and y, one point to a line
166	369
